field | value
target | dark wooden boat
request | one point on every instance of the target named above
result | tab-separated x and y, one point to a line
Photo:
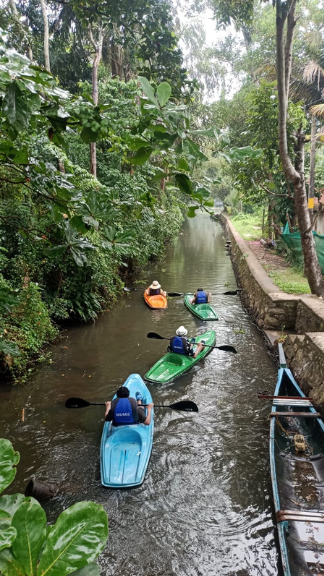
297	474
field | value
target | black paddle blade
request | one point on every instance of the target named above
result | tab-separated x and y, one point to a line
156	336
230	293
175	294
185	406
76	403
227	348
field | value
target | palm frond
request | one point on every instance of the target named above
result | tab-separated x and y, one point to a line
312	72
318	110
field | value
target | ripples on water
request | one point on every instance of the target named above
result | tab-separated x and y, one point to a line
205	506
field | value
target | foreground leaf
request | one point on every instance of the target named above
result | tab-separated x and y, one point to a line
163	92
91	570
7	533
79	535
11	502
8	458
30	523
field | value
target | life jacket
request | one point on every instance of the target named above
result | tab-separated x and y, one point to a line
155	291
179	345
201	297
123	413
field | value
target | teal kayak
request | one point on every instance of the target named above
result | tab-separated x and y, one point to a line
125	450
173	365
202	311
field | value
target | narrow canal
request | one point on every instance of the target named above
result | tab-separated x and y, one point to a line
205	506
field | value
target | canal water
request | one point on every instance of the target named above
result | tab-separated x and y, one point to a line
205	508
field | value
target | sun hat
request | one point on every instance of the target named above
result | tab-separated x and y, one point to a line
155	285
181	331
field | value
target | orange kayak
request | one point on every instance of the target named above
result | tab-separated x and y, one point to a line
158	302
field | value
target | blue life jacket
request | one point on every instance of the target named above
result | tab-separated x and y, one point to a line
123	412
201	298
177	345
155	291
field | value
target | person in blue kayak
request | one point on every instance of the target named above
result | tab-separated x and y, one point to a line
155	289
127	410
201	297
181	345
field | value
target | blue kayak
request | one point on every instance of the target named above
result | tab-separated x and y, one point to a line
125	450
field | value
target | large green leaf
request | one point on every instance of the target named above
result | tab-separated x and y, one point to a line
8	459
191	212
79	535
11	348
163	92
11	502
141	155
8	564
89	135
15	107
7	533
148	89
30	522
184	183
91	570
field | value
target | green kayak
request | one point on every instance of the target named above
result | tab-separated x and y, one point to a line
173	365
202	311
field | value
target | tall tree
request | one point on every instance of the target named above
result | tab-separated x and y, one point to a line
294	171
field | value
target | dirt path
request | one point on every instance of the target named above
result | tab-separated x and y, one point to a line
266	256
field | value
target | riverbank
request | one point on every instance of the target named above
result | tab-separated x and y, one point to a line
36	314
296	320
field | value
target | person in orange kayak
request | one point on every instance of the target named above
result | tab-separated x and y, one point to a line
155	289
201	297
126	410
181	345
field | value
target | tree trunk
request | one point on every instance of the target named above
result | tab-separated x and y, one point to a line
312	169
23	30
285	14
95	92
46	37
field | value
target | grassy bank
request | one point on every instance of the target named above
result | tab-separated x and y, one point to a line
288	277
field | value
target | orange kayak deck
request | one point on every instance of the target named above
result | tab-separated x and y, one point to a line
158	302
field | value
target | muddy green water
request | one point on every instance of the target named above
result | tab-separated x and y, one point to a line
205	508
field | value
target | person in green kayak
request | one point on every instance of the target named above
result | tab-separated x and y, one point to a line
126	410
201	297
155	289
181	345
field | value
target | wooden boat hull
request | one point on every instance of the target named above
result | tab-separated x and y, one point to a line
173	365
297	480
125	450
202	311
158	302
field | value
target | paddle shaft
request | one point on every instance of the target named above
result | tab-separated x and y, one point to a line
173	294
224	348
182	405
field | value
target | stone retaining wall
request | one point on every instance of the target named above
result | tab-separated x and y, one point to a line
275	310
305	357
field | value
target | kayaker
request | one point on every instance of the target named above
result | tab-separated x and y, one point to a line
201	297
181	345
126	410
155	289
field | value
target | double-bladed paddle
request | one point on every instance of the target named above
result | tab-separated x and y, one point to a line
182	405
171	294
224	348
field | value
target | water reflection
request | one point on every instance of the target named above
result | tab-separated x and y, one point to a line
205	506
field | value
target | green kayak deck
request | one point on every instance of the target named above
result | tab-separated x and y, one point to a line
202	311
173	365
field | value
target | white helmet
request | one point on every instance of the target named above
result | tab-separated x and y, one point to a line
181	331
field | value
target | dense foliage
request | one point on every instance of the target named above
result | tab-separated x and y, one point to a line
69	239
